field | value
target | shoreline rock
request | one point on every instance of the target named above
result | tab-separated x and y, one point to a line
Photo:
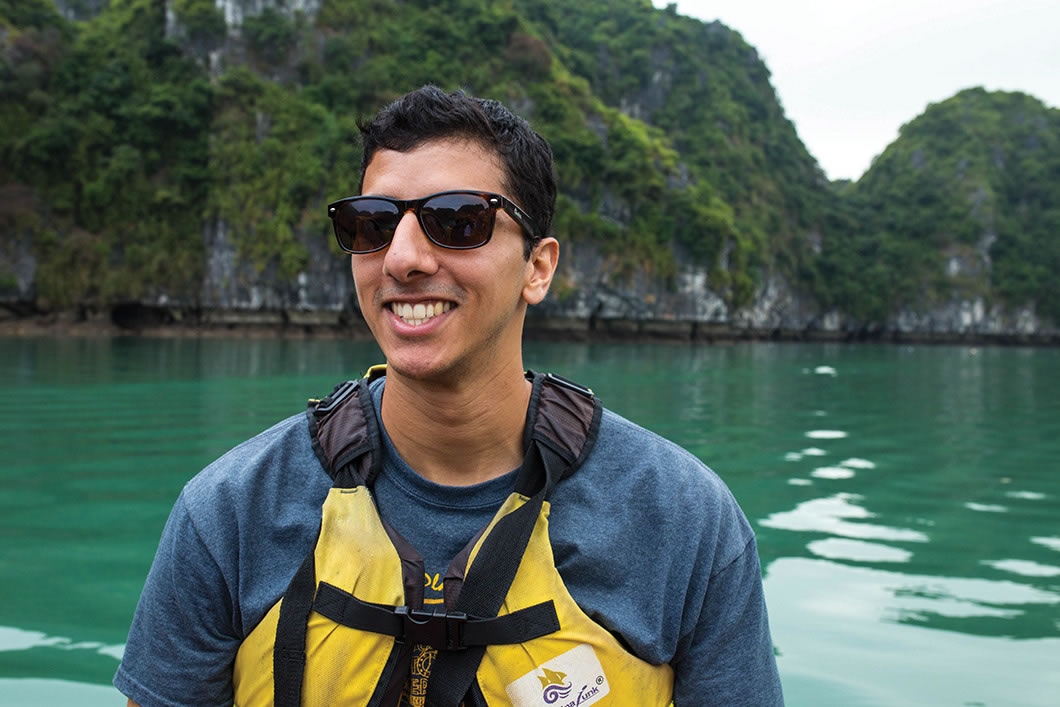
168	322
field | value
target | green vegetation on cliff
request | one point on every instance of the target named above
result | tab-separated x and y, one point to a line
965	203
112	136
131	146
126	137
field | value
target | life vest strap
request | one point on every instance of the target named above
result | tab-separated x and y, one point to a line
288	659
437	628
344	434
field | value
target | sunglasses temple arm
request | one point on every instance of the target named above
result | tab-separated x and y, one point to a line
523	220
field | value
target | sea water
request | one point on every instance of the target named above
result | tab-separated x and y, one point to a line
906	499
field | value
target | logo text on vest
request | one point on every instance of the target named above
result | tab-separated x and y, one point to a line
571	679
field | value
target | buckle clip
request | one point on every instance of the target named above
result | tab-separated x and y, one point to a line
332	400
436	627
569	384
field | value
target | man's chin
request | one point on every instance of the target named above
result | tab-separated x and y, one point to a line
432	372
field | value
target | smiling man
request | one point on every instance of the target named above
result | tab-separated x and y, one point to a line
452	529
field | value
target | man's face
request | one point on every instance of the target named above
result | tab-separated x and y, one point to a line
467	306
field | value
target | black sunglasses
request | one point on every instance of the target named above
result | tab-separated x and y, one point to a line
451	219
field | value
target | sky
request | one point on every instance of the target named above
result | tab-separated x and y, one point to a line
850	73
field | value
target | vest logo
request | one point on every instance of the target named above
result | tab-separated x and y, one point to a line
571	679
552	686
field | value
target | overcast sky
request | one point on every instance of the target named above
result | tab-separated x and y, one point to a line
849	73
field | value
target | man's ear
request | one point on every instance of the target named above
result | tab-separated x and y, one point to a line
540	268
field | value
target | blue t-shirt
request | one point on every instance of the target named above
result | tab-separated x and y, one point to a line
648	541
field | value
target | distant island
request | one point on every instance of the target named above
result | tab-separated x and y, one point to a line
167	164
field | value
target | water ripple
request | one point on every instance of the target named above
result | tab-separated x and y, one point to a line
1025	568
835	515
985	507
808	452
857	550
826	434
1051	543
37	691
832	472
1028	495
17	639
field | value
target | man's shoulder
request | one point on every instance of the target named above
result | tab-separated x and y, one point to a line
636	474
640	451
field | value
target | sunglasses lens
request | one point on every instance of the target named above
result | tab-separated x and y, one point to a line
365	225
457	220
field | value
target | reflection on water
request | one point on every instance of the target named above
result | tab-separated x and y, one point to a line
808	452
856	636
1053	543
910	549
35	646
832	472
839	515
16	639
890	572
857	551
1024	567
1028	495
20	692
986	507
826	434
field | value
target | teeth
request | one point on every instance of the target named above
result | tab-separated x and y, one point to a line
419	313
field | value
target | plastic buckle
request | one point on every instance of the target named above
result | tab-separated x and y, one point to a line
337	396
436	628
569	384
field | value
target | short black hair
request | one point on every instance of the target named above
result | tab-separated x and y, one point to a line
429	113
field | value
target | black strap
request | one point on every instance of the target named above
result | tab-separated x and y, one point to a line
438	628
288	655
491	576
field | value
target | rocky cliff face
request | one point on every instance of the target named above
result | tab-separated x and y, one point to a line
232	283
973	317
18	264
591	295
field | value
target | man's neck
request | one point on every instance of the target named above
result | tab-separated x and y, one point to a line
459	434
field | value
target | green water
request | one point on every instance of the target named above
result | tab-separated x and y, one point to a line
906	499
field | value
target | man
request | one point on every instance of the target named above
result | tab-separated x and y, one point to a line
493	538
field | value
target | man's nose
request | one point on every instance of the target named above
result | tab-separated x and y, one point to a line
410	253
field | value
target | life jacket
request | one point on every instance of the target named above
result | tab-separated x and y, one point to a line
351	628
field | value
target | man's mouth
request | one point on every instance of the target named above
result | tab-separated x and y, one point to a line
416	314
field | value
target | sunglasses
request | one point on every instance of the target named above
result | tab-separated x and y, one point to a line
451	219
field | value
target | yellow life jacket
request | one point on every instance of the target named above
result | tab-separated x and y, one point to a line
351	628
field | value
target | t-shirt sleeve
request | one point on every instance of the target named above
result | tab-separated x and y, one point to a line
183	637
727	658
